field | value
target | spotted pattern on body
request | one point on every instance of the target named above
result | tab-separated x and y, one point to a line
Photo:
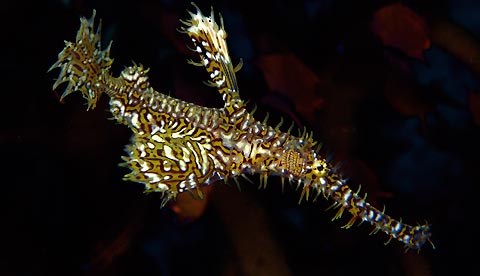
178	146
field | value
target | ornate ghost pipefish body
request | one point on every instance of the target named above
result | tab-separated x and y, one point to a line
178	146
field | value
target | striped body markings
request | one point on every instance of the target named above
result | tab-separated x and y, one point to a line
209	41
171	148
177	146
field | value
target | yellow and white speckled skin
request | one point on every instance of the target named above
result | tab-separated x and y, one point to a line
178	146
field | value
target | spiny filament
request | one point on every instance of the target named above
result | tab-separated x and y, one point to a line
178	146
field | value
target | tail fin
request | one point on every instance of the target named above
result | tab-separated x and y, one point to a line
84	65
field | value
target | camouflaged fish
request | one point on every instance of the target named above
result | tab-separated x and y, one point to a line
179	146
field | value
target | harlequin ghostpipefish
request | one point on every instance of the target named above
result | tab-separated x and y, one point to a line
179	146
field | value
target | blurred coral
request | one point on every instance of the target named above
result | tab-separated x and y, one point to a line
188	207
287	75
400	27
391	87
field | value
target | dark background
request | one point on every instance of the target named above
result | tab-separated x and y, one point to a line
406	128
